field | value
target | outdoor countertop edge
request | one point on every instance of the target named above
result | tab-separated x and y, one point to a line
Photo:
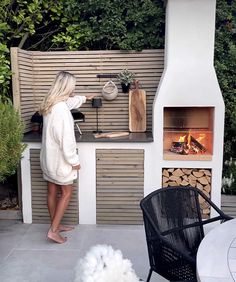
133	137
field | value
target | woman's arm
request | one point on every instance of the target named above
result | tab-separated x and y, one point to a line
75	102
63	134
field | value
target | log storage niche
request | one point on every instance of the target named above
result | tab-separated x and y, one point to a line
199	178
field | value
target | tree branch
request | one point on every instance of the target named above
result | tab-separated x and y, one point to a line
23	39
45	37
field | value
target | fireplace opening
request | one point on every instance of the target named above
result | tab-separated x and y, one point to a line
188	133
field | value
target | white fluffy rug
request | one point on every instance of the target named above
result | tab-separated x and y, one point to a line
104	264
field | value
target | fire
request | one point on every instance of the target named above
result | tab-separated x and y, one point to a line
201	137
186	138
188	144
182	138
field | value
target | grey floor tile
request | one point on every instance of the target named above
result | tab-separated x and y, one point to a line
39	266
26	255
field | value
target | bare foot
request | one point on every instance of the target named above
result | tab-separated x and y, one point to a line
55	237
63	228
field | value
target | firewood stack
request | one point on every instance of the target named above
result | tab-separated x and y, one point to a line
199	178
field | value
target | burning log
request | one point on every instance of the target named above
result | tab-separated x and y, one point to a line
198	145
187	145
177	147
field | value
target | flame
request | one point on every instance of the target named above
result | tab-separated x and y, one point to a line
185	138
201	137
182	138
189	138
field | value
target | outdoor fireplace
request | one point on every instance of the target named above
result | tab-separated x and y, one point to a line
188	133
188	110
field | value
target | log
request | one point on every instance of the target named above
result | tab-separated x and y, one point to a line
178	172
199	145
192	177
165	179
174	178
198	174
207	188
186	171
185	177
203	180
172	183
206	172
193	183
208	178
165	173
184	183
199	186
201	200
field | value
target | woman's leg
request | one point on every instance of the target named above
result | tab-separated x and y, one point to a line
52	204
52	198
62	204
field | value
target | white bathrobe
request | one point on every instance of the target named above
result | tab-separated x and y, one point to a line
58	153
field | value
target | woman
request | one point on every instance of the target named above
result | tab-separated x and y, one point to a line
58	158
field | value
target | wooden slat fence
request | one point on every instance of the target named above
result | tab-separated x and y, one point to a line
228	204
36	71
119	182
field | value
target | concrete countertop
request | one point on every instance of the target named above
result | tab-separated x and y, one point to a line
142	137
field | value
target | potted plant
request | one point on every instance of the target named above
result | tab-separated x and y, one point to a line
126	77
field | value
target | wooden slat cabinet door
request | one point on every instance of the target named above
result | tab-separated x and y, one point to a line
120	182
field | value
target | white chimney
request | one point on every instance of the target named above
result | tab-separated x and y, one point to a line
189	84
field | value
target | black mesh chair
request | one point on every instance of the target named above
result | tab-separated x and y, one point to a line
78	117
173	220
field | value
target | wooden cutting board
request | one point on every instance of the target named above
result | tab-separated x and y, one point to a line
111	134
137	109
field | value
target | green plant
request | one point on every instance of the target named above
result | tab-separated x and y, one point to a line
229	179
126	77
11	134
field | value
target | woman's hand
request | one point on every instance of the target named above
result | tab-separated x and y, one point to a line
90	97
76	167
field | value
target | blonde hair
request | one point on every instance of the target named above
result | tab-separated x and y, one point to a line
62	87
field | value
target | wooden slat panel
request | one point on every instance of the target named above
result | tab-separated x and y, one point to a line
119	182
228	204
38	69
39	195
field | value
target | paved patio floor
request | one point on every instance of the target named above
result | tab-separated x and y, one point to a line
26	255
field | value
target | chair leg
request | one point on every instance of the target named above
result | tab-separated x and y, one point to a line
78	129
149	275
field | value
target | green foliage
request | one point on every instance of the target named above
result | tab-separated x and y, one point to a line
112	24
69	25
229	179
11	133
5	71
225	64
